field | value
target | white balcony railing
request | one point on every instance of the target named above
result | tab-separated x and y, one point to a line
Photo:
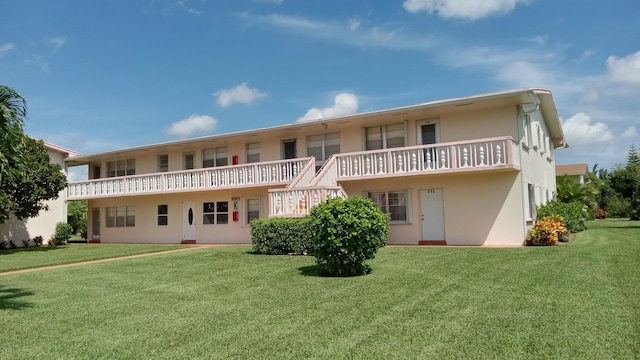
294	202
245	175
492	153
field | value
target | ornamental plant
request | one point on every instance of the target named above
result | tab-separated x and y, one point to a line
346	233
572	213
62	234
548	230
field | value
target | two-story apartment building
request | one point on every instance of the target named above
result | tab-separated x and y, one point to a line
463	171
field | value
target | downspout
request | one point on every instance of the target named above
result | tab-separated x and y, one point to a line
525	185
536	100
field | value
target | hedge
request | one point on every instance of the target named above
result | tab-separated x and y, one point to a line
572	213
278	236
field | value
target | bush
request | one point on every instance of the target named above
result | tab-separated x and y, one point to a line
572	213
38	240
601	214
346	233
26	242
619	207
62	234
548	230
279	236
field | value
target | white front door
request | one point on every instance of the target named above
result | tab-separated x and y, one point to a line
188	221
432	206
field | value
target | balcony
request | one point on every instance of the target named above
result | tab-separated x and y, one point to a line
272	173
296	202
454	157
440	158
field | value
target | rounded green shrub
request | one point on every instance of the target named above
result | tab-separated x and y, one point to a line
346	233
62	234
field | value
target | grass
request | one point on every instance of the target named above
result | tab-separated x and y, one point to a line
578	300
33	257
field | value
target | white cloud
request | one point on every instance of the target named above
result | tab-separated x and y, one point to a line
626	69
353	23
239	94
185	5
6	48
523	74
462	9
39	61
590	96
344	104
192	124
630	132
57	42
350	32
581	131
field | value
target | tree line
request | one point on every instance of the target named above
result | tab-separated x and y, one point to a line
610	192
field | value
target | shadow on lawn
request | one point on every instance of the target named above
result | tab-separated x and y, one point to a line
33	248
9	296
310	270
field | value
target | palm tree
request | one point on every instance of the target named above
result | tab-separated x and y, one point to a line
13	109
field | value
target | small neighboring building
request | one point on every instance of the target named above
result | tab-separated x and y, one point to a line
462	171
578	172
45	223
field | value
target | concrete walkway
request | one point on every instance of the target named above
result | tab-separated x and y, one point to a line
194	247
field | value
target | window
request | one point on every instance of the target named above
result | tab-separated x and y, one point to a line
215	213
163	163
96	172
323	146
384	137
121	167
189	160
253	152
289	149
163	215
215	157
532	202
121	216
526	131
391	202
253	209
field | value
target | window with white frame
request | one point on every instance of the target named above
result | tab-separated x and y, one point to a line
163	215
391	202
121	167
323	146
121	216
163	163
189	160
215	213
215	157
526	131
253	152
385	136
253	209
531	197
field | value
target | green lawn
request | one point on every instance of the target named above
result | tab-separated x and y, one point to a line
579	300
34	257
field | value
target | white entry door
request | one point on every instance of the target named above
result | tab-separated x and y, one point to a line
432	205
188	221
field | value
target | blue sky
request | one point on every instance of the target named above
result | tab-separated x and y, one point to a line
102	75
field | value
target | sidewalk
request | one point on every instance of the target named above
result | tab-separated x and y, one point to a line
194	247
